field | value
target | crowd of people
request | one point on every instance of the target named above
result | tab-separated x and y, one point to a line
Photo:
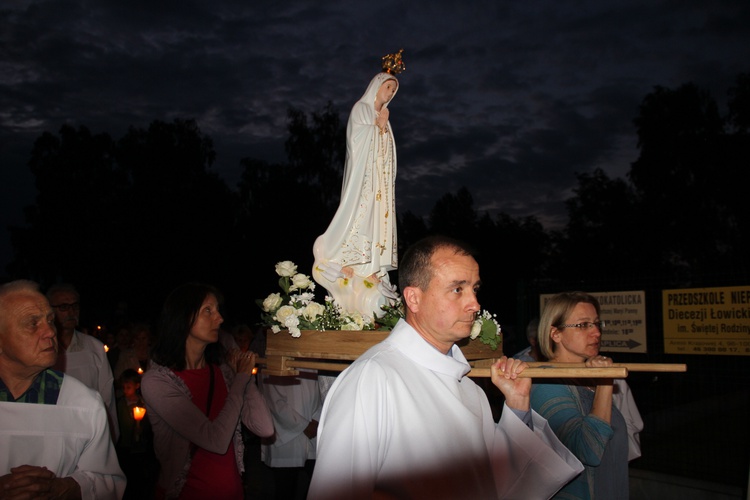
179	408
174	410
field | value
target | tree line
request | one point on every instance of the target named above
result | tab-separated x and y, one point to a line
128	219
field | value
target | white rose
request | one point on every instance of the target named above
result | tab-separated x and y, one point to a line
349	325
272	302
312	311
295	332
476	328
291	322
305	297
358	320
284	313
286	268
300	282
275	328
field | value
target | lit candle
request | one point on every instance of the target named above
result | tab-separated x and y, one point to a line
106	348
140	371
138	413
255	370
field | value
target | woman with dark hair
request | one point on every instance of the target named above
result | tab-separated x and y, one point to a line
197	395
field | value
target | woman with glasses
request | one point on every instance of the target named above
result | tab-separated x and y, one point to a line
581	412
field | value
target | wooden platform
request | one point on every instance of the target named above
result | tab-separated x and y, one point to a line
333	349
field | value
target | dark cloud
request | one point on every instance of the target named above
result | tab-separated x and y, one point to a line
509	99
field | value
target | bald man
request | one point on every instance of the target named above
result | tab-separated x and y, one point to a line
54	438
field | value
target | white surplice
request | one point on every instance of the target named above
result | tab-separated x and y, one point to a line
86	360
404	421
70	438
294	402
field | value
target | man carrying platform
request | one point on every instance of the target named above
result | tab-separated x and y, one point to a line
404	421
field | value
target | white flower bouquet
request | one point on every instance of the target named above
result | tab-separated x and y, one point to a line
295	309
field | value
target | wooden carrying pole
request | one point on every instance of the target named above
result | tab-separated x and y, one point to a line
334	350
557	372
567	372
631	367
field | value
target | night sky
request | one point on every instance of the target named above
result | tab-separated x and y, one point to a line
509	99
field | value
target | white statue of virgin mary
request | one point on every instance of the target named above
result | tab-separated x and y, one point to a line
354	255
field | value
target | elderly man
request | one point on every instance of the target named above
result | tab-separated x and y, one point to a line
404	421
80	355
54	437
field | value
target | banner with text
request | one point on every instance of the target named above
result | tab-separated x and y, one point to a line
707	321
624	313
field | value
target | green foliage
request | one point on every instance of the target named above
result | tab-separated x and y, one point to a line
489	329
391	316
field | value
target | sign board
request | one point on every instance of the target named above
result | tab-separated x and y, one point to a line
624	313
707	320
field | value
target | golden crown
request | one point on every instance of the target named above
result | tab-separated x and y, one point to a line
393	64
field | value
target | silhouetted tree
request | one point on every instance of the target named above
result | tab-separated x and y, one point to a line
284	207
76	183
736	157
134	217
602	237
178	216
739	104
681	177
515	253
455	215
316	153
127	219
411	228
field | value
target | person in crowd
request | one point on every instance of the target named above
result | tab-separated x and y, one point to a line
135	448
120	315
55	441
531	353
112	348
581	412
137	355
243	336
258	344
197	395
130	380
359	247
295	404
82	356
258	481
404	421
622	396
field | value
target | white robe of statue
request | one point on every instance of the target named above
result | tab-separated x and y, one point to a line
362	234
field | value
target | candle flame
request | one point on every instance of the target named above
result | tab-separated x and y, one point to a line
138	413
